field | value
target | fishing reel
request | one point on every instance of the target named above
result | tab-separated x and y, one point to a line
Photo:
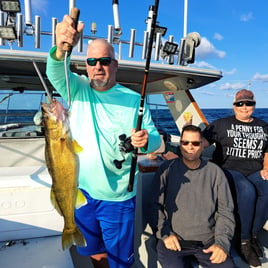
125	147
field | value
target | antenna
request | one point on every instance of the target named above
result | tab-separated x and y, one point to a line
72	3
185	18
249	84
93	28
28	12
117	27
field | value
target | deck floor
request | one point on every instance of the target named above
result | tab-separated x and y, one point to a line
150	261
47	252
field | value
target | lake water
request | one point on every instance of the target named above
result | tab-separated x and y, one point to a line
163	119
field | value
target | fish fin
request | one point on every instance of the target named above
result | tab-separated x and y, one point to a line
77	147
81	200
54	202
73	238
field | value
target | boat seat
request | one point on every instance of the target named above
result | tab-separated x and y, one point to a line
22	151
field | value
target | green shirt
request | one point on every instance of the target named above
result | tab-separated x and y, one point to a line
97	119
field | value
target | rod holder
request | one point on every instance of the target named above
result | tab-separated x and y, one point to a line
2	41
28	12
53	31
110	34
157	45
119	50
20	30
132	43
145	44
117	26
181	49
37	31
171	57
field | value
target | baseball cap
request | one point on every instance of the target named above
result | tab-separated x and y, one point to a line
244	95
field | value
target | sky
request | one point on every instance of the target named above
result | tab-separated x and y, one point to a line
234	38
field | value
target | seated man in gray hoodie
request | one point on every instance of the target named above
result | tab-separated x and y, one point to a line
192	211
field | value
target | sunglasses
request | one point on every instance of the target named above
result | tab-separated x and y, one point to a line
194	143
242	103
105	61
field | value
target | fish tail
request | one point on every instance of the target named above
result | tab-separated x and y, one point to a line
73	238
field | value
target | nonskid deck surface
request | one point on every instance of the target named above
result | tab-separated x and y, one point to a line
25	183
47	252
35	253
149	243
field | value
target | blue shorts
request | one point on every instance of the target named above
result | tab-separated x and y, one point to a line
108	227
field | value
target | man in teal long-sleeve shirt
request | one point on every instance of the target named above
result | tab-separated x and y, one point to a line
102	110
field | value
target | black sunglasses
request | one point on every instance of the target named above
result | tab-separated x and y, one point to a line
242	103
194	143
105	61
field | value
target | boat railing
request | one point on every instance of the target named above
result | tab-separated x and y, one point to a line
156	107
165	50
9	115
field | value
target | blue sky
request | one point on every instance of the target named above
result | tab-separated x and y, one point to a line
234	38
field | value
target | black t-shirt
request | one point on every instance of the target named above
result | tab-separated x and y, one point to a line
240	146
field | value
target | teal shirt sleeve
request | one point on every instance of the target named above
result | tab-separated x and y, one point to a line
154	140
56	75
97	119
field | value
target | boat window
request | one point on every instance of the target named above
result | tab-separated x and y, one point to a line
20	113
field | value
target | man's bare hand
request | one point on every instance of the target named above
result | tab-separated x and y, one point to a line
218	254
66	33
139	139
172	243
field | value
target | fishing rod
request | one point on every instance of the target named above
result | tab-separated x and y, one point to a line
74	14
49	95
117	27
143	94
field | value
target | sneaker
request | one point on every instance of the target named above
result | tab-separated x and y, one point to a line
249	254
256	246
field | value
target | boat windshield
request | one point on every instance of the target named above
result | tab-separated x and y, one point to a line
20	113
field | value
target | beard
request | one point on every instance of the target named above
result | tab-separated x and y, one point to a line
99	83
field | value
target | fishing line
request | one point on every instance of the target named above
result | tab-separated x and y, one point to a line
74	14
6	97
143	92
43	82
67	78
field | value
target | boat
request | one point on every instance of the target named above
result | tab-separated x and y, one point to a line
30	227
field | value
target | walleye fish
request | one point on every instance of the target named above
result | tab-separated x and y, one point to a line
62	163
